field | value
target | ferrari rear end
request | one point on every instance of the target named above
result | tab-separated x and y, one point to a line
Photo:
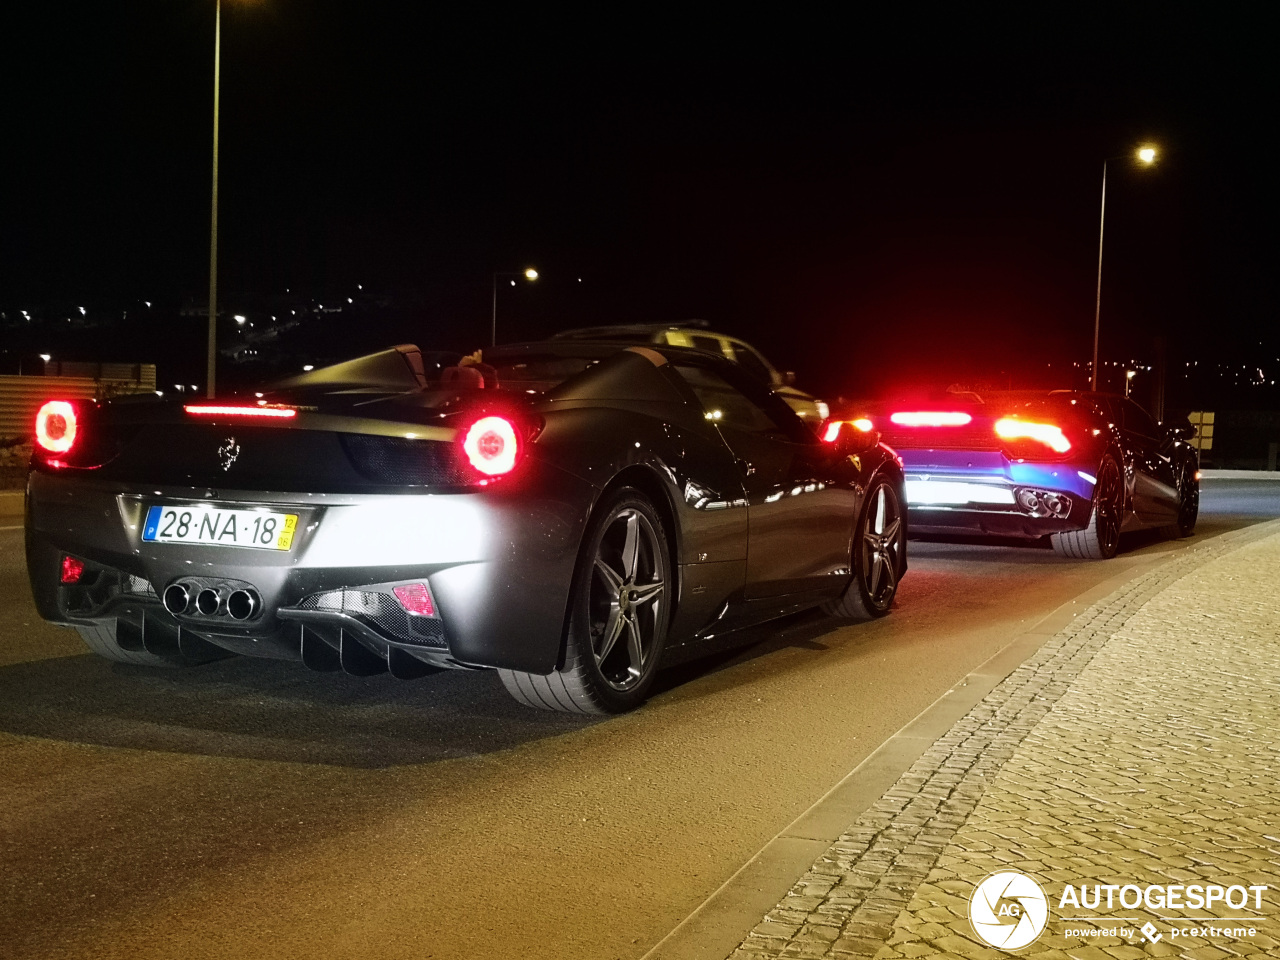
1009	464
381	527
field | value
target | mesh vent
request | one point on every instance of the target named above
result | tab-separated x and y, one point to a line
395	460
138	585
380	611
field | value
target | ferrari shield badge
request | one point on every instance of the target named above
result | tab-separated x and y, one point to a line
228	452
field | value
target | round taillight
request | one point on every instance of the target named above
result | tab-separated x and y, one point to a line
491	445
56	426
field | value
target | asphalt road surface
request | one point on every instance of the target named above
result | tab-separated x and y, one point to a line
251	808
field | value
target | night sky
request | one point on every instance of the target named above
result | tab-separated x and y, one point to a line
902	193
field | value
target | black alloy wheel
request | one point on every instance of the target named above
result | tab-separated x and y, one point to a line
1100	540
879	556
1188	502
619	612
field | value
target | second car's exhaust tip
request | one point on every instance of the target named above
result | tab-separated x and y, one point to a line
177	598
243	604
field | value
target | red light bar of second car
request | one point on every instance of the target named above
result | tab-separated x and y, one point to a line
1050	434
229	410
931	418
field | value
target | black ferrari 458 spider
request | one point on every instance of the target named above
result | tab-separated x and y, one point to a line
572	514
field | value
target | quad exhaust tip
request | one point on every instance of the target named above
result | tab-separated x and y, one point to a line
177	598
242	604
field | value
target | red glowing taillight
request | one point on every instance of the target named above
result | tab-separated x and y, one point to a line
1050	434
491	445
56	426
234	410
416	599
931	418
862	424
72	570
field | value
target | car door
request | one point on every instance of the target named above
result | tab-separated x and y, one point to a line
800	499
1155	487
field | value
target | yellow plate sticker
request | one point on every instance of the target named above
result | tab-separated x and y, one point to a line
286	535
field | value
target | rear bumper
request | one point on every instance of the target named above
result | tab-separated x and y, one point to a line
984	492
498	563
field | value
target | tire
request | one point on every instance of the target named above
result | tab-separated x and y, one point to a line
879	557
619	611
1100	540
1188	503
102	641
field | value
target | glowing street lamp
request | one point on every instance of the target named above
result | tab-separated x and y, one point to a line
1128	381
529	274
1147	156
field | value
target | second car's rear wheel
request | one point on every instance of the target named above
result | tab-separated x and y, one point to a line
618	617
879	557
1188	503
1101	538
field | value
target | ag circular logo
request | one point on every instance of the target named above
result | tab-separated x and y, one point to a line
1008	910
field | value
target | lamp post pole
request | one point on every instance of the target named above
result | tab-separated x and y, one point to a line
1097	308
529	274
1146	155
212	361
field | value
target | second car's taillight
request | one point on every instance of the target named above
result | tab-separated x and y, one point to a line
56	426
491	445
1017	432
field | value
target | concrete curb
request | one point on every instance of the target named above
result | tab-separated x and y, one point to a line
1240	474
721	922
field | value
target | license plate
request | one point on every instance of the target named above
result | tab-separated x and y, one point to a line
220	528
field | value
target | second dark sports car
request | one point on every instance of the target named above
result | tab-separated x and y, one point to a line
1077	467
572	514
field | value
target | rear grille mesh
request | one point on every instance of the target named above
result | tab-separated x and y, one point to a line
395	460
380	611
969	437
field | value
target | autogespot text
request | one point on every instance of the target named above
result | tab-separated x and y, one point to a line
1161	897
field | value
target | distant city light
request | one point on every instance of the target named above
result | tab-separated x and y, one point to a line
46	357
82	310
307	367
240	318
531	274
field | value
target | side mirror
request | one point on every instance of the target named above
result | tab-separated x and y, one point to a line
1179	431
851	441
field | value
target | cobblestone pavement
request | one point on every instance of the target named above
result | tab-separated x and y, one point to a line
1141	745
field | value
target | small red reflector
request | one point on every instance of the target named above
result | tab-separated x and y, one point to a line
223	410
72	569
491	445
56	426
1051	435
416	599
931	418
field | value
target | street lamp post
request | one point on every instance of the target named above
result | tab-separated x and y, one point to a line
529	274
212	360
1146	155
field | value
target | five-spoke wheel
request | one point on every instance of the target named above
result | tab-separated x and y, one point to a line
619	611
879	556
